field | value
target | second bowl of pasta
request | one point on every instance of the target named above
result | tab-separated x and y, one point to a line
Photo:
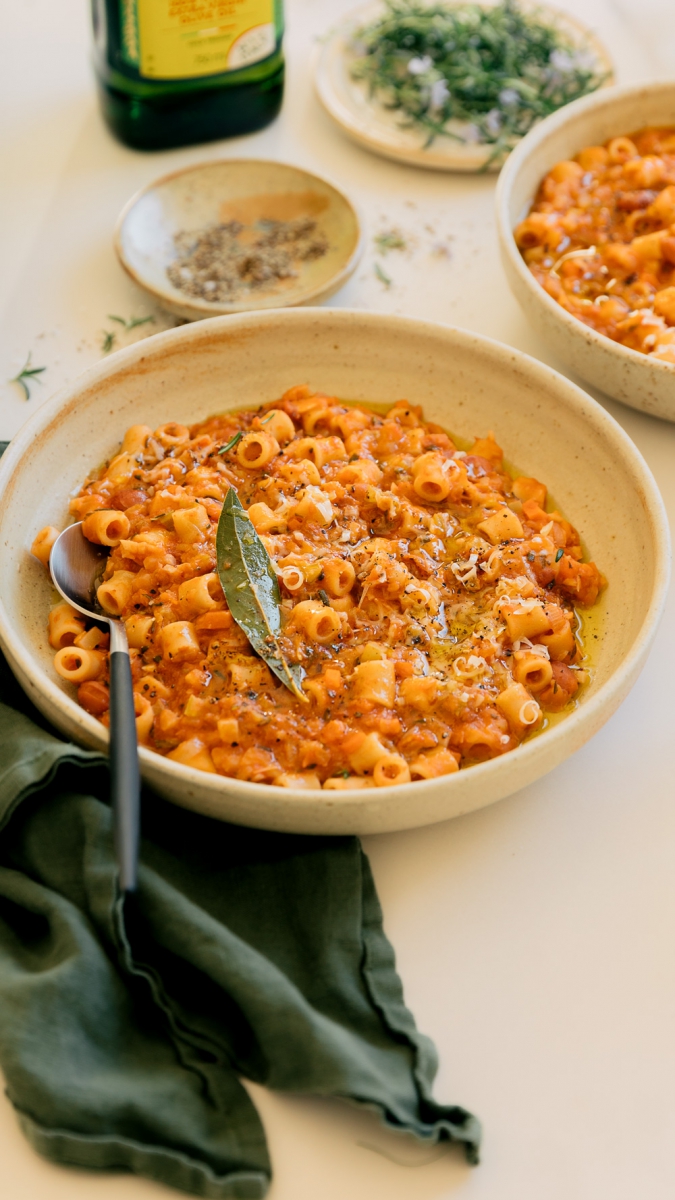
586	222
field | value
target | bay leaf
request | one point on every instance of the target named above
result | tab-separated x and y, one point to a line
252	590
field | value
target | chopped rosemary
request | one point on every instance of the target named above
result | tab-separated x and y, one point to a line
232	442
391	239
132	323
27	375
382	275
491	71
109	339
324	598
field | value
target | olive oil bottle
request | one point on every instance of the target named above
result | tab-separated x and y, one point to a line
173	72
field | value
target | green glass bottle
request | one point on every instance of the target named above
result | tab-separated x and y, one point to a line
173	72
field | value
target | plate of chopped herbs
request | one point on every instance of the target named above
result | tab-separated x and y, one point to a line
238	234
454	86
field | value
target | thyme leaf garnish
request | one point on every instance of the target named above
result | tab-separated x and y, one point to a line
132	323
109	339
559	553
27	375
382	275
390	239
491	71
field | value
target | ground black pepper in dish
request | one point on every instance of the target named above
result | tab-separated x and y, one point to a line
225	262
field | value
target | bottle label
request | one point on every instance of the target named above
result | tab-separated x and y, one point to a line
181	39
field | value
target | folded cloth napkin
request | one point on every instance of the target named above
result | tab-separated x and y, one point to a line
125	1026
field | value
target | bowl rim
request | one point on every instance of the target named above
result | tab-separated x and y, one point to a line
207	308
569	394
603	98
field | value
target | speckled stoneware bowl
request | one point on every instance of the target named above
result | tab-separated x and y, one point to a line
633	378
246	190
468	384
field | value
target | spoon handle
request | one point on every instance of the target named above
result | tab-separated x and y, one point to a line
125	783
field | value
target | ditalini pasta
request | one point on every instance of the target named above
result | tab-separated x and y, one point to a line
428	598
600	238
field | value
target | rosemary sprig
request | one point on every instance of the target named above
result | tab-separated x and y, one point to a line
492	71
27	375
232	442
132	323
382	275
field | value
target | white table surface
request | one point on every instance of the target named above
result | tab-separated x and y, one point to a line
536	939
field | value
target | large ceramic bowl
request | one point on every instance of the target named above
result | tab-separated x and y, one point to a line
548	426
635	379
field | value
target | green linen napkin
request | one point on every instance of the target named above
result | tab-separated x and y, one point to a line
125	1026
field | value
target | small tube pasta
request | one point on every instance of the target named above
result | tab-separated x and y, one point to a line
256	450
135	438
145	717
106	527
121	468
314	505
179	641
77	665
303	779
367	753
349	783
65	625
434	763
200	595
93	639
279	424
193	753
526	621
560	643
43	542
339	576
532	670
501	526
320	622
375	681
519	708
138	630
303	471
389	770
364	470
191	523
265	520
114	594
172	435
431	478
420	692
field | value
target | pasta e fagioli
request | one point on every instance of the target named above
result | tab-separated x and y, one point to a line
428	597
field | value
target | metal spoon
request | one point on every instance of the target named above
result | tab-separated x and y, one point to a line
75	563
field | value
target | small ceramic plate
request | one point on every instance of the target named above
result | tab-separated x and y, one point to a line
246	190
380	129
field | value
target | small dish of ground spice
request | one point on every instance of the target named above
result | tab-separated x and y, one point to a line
236	235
